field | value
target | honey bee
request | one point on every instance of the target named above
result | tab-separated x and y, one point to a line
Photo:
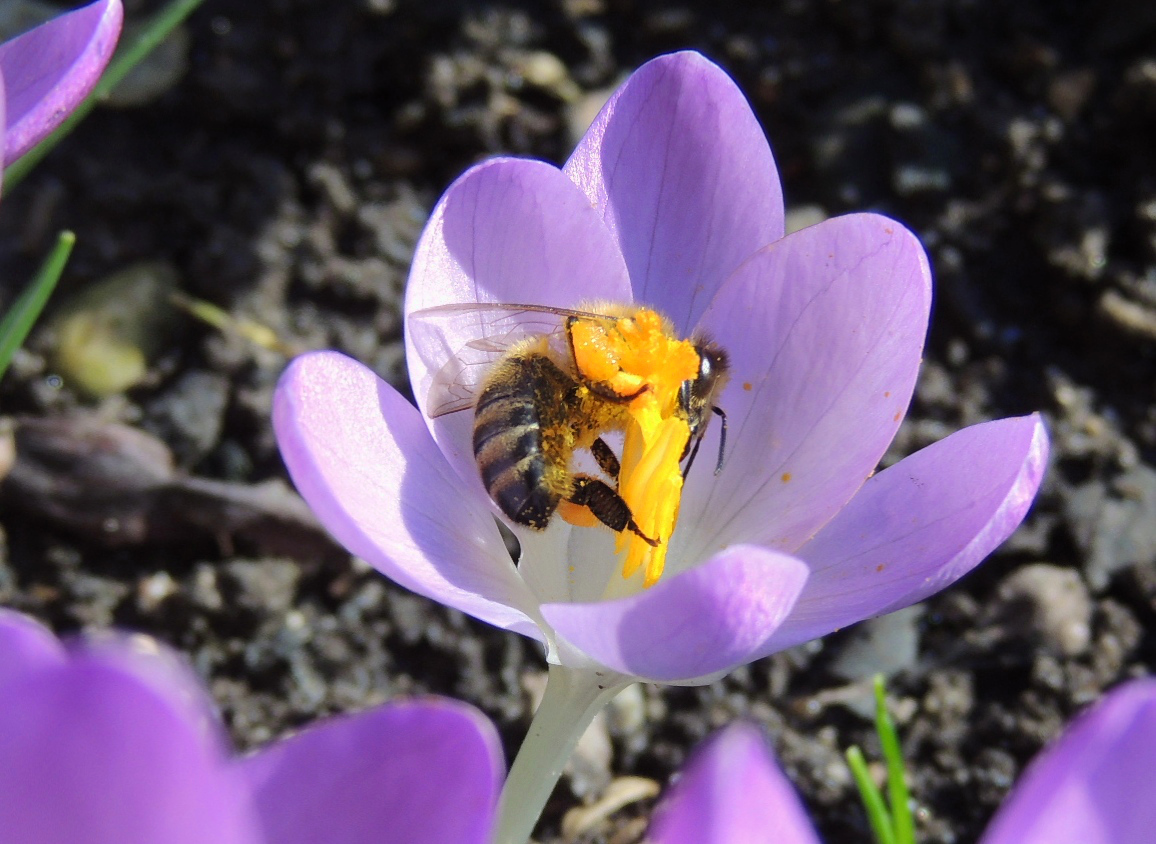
535	408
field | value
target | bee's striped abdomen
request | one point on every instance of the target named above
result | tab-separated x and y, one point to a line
508	440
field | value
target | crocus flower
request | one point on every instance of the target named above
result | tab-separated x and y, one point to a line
1093	786
47	71
672	201
110	741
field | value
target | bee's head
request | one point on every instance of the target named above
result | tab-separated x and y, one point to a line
697	396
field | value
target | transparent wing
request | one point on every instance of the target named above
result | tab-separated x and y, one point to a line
458	370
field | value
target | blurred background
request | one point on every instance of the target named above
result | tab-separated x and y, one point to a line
257	190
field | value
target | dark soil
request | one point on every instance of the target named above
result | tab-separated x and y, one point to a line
286	178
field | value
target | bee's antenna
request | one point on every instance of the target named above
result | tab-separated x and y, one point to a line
722	437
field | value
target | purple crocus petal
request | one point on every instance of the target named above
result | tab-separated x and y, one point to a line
824	329
159	667
679	167
1094	785
514	230
26	646
918	526
509	231
91	750
50	69
732	791
702	622
362	458
423	772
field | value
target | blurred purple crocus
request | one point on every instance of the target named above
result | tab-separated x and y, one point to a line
47	71
1092	786
109	740
672	200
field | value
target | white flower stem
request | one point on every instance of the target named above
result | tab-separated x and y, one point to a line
572	698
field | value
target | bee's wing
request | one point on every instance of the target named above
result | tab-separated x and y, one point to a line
458	372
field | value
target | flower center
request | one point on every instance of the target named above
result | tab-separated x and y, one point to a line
639	355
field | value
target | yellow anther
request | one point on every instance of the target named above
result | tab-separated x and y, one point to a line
640	355
650	482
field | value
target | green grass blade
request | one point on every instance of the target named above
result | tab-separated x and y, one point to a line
126	58
898	795
877	814
16	324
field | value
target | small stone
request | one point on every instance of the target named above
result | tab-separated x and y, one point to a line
205	594
1052	603
546	71
190	414
911	179
1115	528
907	117
334	185
153	590
7	448
94	599
583	820
1136	318
627	710
261	585
883	645
589	766
803	216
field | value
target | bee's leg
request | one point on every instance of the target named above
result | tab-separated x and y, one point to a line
605	391
697	439
693	454
607	460
722	438
607	505
570	341
598	388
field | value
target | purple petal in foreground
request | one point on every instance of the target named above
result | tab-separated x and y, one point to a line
421	772
704	621
918	526
362	458
824	331
679	167
3	117
25	646
50	69
730	792
92	752
1094	785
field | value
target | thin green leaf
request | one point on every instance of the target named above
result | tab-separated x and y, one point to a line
899	797
877	814
126	58
24	311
